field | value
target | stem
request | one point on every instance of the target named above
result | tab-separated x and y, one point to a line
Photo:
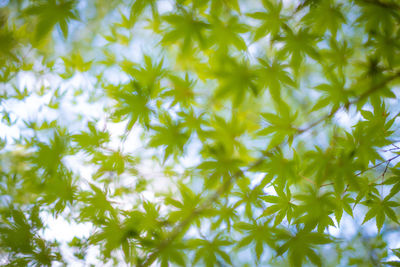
370	168
179	228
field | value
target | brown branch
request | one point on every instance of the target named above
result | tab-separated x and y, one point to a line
377	165
367	169
391	6
328	116
384	172
308	180
391	149
376	87
179	228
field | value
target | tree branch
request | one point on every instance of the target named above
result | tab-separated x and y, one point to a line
370	168
180	227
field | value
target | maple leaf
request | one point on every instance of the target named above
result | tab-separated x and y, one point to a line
51	13
185	28
211	251
273	75
281	204
133	102
298	45
380	208
272	19
171	134
301	245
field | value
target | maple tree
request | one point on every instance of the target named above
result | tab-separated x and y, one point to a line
200	132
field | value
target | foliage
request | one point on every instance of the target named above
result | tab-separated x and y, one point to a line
199	132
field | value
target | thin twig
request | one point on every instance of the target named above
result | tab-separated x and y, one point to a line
387	161
376	87
383	176
312	125
367	169
345	190
392	149
370	168
179	228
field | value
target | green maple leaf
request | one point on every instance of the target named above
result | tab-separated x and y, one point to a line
111	234
211	252
386	46
343	204
376	16
185	28
16	234
280	169
250	197
60	191
173	254
218	164
274	75
148	76
338	55
140	5
282	205
171	135
49	156
257	232
76	62
51	13
315	209
91	140
181	91
272	19
281	125
112	162
225	214
226	33
227	132
334	93
183	208
236	78
301	246
133	103
326	15
380	208
96	205
395	181
298	45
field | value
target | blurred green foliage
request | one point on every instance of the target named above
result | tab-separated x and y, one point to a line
250	131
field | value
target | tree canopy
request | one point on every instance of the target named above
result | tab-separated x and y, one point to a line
199	133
